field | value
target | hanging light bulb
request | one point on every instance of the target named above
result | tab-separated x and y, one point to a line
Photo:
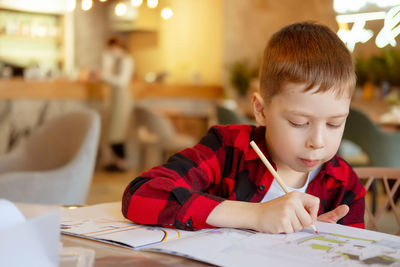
86	4
71	4
136	3
167	13
120	9
103	0
152	3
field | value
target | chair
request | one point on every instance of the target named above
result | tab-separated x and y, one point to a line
228	116
54	165
381	147
368	175
153	137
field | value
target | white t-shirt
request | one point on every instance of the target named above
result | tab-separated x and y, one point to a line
276	190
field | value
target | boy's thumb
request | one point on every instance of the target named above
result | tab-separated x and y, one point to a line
334	215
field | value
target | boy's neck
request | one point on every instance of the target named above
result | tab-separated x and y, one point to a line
292	178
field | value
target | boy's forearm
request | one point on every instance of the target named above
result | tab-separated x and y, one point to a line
286	214
234	214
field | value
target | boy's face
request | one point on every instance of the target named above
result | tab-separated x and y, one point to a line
304	129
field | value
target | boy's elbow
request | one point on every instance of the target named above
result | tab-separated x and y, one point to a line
130	190
126	199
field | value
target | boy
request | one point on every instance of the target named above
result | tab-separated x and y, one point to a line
306	83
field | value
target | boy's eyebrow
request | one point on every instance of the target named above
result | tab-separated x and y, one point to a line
303	114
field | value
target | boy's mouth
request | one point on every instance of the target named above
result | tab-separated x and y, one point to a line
309	162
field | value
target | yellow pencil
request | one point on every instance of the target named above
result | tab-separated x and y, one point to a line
274	173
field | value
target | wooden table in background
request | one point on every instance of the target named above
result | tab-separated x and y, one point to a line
375	108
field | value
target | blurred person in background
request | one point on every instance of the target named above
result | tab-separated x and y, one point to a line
117	71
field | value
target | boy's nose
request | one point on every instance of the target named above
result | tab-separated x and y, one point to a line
316	139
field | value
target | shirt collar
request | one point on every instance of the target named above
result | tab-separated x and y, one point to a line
331	168
258	136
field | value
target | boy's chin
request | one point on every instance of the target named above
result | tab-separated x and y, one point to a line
301	167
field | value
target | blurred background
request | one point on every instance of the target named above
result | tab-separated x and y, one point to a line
195	64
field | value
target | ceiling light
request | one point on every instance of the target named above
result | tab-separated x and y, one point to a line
136	3
152	3
120	9
71	4
167	13
86	4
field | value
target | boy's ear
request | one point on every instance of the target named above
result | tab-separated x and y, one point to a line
258	108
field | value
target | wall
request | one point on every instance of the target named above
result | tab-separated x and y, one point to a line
187	45
248	25
91	30
203	38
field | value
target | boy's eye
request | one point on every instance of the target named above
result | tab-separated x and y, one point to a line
334	125
298	125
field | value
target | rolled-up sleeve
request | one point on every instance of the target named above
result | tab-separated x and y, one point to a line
177	194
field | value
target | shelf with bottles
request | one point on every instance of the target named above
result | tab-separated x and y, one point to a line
29	39
15	24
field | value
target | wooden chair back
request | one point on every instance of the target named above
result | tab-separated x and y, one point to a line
367	175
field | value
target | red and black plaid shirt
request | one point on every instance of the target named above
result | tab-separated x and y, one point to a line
184	191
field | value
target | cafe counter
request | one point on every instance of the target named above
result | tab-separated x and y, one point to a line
65	89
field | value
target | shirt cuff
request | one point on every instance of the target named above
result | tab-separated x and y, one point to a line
196	210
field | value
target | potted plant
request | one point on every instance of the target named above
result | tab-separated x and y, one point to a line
379	71
241	77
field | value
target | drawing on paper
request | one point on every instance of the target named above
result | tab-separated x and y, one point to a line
343	249
110	229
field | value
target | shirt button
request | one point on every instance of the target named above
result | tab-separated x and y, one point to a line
189	223
261	187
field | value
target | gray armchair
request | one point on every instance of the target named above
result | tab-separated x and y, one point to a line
382	148
55	164
153	138
228	116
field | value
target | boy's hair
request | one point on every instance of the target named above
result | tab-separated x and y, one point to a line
306	53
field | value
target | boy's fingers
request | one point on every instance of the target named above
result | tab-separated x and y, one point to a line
304	218
334	215
311	204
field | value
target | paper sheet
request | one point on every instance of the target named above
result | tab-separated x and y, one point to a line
104	222
336	245
10	214
31	242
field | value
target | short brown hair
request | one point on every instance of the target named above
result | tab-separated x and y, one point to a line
306	53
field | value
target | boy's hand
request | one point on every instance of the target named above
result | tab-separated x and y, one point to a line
334	215
289	213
